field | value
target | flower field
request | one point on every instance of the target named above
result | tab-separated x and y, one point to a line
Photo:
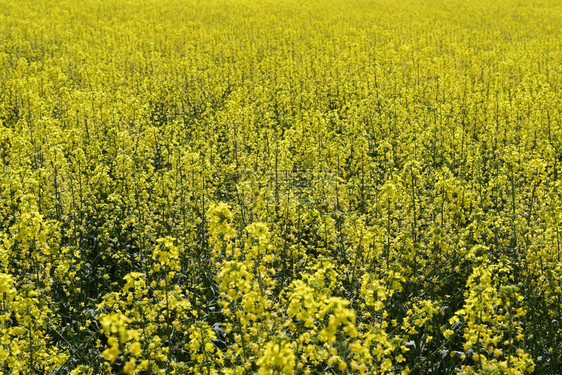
280	187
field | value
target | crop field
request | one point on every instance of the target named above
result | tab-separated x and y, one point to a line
280	187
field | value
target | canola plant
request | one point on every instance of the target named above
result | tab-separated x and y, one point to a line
280	187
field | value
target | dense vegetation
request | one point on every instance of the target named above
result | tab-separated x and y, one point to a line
242	186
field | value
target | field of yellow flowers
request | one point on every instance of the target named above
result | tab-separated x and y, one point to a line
280	187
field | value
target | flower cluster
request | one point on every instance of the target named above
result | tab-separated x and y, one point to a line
280	186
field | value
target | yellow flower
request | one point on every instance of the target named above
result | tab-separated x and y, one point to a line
113	351
7	290
448	333
135	349
386	365
277	357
